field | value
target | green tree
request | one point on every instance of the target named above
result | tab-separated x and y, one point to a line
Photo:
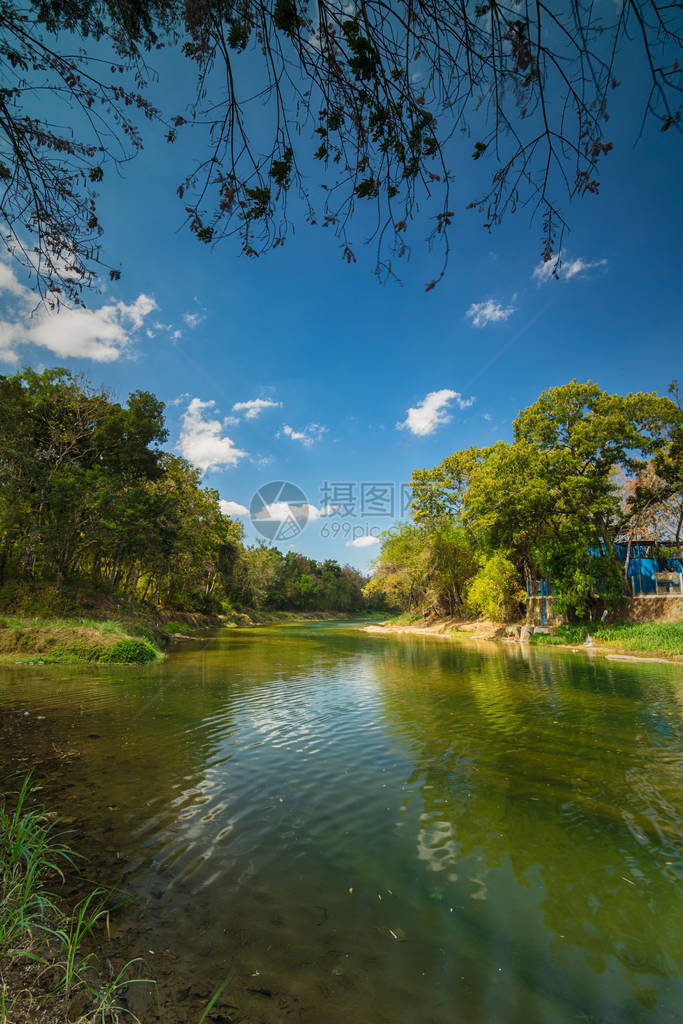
86	492
425	567
495	590
66	450
583	469
583	436
256	575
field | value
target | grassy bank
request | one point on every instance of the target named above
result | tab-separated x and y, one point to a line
405	619
72	641
661	638
59	963
74	623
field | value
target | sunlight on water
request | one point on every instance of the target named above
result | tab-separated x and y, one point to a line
374	828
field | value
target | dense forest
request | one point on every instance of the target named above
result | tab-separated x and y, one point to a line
585	470
88	494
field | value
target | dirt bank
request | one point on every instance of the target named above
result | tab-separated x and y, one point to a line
457	630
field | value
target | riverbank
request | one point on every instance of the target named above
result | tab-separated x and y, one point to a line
661	640
275	618
35	641
77	624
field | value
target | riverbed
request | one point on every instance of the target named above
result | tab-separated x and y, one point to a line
356	828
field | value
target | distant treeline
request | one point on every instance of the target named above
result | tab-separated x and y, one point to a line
87	493
585	471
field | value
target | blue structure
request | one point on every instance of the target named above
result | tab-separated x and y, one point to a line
648	558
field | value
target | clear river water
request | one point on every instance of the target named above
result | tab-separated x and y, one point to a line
374	828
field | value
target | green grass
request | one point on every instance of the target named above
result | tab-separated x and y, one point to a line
27	622
31	851
404	619
130	652
72	641
649	637
42	962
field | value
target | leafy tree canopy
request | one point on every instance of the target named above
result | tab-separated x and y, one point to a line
585	471
87	493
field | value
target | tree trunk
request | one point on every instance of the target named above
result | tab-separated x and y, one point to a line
626	585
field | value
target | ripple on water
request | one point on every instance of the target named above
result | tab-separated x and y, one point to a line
381	830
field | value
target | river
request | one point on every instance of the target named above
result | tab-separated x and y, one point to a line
367	828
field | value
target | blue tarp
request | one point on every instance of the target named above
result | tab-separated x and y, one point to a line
642	566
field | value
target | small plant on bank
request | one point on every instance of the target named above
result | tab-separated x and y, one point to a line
106	996
31	852
41	941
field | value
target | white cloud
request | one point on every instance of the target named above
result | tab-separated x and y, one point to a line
232	508
559	267
201	440
282	511
278	511
295	435
102	334
362	542
193	320
9	282
254	407
432	412
137	312
308	436
322	513
489	312
181	399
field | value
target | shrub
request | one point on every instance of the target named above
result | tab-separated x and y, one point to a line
129	652
495	591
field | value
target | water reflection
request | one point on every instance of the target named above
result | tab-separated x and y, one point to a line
377	828
544	768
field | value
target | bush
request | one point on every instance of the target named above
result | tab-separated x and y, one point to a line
495	592
129	652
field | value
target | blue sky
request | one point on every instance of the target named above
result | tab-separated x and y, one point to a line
353	382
